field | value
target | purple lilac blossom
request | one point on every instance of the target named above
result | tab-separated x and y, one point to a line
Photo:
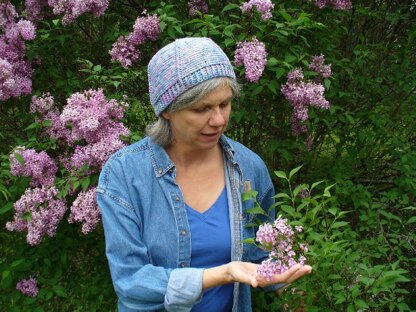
279	239
303	94
318	66
71	9
39	166
15	69
38	212
96	122
197	6
34	8
28	287
85	210
336	4
125	49
253	55
262	6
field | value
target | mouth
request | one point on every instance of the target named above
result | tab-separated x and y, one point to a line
211	135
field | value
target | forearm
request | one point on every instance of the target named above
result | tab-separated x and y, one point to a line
216	276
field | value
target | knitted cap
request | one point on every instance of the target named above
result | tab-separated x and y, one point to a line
182	65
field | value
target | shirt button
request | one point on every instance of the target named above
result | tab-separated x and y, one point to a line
183	232
177	198
160	171
183	264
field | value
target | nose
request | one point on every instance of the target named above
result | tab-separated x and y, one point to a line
217	117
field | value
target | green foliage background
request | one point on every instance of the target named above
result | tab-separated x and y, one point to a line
361	229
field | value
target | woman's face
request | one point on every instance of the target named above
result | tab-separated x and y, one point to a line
200	126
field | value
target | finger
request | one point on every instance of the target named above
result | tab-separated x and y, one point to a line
284	277
304	270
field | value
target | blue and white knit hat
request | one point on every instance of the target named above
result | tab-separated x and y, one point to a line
182	65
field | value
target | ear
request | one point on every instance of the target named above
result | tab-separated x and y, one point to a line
166	115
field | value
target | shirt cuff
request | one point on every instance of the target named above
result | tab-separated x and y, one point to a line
184	289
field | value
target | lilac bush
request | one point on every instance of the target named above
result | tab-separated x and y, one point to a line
125	49
38	212
28	287
195	6
262	6
303	94
280	240
253	55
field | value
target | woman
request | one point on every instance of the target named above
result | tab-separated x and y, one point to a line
171	204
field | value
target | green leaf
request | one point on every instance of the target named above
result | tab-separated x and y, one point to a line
256	210
281	174
97	68
411	220
249	195
6	208
339	224
59	291
282	195
293	171
230	7
249	241
327	83
272	61
316	184
85	183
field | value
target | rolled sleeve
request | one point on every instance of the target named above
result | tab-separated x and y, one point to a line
184	289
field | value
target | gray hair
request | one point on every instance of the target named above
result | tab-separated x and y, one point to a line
160	130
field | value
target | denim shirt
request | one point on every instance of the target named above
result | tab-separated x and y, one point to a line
148	243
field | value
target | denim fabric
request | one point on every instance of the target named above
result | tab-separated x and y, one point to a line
148	245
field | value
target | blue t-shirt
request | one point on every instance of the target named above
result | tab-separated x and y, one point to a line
210	247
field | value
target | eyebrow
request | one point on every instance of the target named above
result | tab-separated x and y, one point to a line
226	100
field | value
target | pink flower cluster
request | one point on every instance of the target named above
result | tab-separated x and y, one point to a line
303	94
253	55
318	66
89	124
197	5
85	210
279	239
38	212
28	287
39	166
33	9
262	6
15	69
336	4
125	49
71	9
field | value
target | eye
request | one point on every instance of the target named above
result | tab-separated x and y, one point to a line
201	109
224	105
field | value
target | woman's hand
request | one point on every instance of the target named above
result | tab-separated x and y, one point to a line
246	272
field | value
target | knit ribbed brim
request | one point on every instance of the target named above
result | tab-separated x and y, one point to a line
182	65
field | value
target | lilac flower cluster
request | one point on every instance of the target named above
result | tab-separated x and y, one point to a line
85	210
279	239
197	5
336	4
253	55
303	94
318	66
125	49
39	166
34	8
89	124
15	69
38	212
28	287
262	6
71	9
